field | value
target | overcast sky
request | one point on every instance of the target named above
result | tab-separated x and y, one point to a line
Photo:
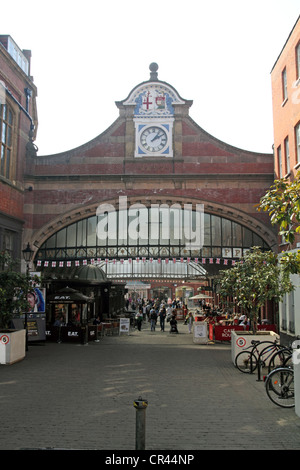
88	54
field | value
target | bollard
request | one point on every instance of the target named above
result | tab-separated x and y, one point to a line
140	431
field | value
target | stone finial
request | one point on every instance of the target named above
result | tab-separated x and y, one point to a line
153	69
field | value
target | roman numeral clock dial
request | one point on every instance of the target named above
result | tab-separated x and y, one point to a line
154	139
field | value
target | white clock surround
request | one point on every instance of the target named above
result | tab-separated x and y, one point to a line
147	130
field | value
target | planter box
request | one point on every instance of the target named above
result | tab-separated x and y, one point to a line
12	346
241	340
296	365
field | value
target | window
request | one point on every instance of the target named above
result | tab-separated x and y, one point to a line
284	85
8	242
298	61
279	161
115	237
6	129
287	155
297	139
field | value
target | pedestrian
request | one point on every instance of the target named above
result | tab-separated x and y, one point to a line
153	318
190	320
139	319
173	324
162	317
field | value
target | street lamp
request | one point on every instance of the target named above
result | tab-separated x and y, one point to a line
27	255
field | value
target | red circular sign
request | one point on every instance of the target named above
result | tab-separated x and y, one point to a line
241	342
4	339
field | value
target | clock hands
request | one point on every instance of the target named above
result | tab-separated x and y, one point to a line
157	137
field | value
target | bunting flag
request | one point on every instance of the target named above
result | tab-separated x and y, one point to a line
85	262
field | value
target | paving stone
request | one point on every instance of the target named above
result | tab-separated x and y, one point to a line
70	396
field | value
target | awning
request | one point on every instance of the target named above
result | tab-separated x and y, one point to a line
67	295
200	296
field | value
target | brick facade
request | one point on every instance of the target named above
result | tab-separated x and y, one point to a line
14	84
285	79
69	186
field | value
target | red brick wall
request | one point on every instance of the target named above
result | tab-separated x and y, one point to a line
286	114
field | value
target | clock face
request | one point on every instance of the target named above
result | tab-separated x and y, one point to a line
154	139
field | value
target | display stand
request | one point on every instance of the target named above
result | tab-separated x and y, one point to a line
200	332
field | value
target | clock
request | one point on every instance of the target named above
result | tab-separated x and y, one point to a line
153	139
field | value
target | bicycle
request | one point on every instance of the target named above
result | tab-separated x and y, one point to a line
247	361
282	358
280	387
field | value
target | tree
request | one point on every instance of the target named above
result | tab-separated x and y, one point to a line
253	281
14	287
282	202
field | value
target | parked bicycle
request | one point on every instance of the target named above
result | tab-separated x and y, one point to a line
247	360
282	358
280	387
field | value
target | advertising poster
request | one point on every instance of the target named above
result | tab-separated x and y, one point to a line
124	325
200	332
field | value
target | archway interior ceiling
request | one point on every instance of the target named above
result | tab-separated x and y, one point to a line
158	241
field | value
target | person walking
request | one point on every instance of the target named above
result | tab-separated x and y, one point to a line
153	318
162	317
190	320
139	319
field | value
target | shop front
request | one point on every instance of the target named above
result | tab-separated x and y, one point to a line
71	312
78	298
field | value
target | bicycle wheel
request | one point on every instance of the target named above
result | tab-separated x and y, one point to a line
280	387
279	358
288	362
246	362
267	352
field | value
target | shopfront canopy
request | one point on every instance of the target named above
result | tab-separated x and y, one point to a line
67	295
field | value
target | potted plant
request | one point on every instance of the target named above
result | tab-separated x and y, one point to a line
258	277
14	287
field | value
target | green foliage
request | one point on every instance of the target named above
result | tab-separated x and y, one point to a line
254	280
282	202
13	290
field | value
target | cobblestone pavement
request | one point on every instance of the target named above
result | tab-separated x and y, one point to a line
77	397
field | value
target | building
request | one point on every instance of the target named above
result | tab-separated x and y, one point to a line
122	200
18	125
285	79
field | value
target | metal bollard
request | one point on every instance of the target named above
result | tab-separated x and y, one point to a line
140	405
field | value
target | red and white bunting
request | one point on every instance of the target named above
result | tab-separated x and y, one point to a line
85	262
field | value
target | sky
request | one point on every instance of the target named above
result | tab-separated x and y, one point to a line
86	55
